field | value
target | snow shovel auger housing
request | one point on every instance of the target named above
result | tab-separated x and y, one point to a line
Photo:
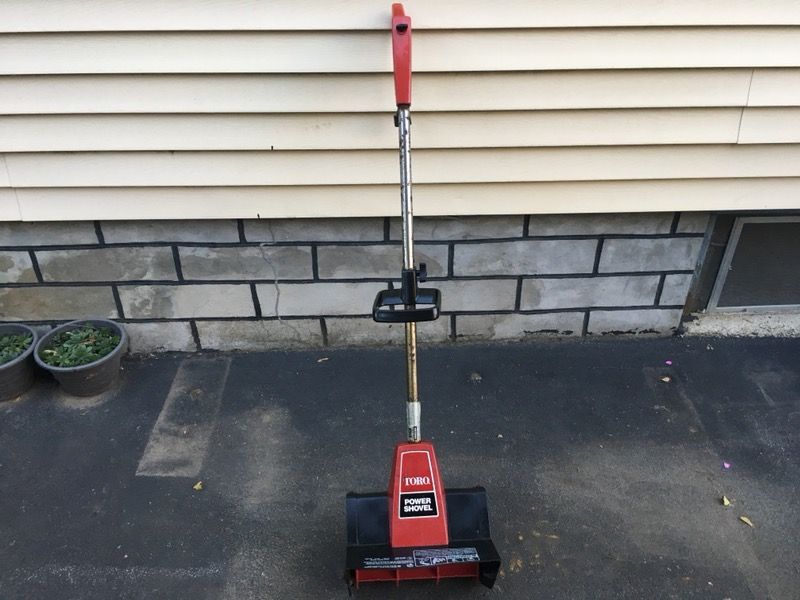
417	529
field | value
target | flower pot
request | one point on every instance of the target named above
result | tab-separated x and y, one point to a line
16	376
94	377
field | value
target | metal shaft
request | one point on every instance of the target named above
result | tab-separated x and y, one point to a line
407	211
412	401
406	208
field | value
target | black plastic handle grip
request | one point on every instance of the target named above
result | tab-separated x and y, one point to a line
384	309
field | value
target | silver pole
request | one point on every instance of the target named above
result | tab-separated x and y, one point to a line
407	211
406	208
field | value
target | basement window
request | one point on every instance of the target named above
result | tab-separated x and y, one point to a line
760	267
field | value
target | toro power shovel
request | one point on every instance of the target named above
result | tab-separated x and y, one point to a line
417	529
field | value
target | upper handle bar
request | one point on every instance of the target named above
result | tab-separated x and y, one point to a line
401	55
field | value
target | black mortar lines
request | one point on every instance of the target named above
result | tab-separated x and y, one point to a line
256	301
659	290
314	263
195	335
323	326
117	300
35	264
176	258
451	253
598	253
673	229
98	231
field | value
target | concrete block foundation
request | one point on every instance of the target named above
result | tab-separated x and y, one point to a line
256	284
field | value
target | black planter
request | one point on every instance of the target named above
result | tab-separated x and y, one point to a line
94	377
16	376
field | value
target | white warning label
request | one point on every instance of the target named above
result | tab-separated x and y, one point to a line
431	557
396	562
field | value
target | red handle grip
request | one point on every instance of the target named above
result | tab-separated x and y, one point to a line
401	54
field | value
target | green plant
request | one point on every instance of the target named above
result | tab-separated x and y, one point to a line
79	346
12	345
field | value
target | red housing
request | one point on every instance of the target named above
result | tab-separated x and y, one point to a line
401	54
417	511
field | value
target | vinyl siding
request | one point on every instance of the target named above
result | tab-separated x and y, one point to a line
368	51
223	15
43	204
145	110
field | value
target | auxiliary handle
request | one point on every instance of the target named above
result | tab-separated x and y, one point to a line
414	303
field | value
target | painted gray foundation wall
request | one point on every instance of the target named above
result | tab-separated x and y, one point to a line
250	285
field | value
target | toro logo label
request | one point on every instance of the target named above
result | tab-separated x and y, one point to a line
410	481
417	492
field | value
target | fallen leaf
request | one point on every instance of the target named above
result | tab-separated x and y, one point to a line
666	378
198	486
746	521
725	501
323	359
552	536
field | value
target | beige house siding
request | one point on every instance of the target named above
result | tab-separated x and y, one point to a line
223	15
148	110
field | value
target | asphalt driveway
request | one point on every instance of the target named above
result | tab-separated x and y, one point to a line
605	468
